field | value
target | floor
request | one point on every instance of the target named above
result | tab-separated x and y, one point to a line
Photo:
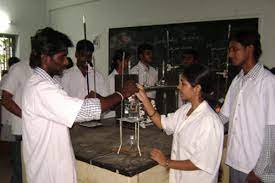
5	165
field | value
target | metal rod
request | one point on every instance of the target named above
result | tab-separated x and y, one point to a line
135	131
85	38
120	135
139	152
227	58
122	83
93	59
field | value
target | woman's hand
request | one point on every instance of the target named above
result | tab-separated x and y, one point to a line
159	157
141	94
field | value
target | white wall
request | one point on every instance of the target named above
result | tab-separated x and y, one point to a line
104	14
27	16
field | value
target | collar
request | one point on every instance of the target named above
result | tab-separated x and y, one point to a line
253	73
43	74
200	108
114	72
90	69
141	65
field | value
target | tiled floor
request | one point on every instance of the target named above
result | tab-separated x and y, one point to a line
5	165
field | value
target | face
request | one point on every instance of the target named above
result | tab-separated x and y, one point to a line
186	91
125	66
57	63
237	53
188	59
83	57
147	56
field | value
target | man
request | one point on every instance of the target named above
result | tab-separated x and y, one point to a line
6	134
118	67
249	106
49	112
74	79
11	99
148	76
189	57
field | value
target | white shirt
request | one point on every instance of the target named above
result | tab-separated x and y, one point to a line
198	138
17	76
5	119
111	84
75	84
249	108
5	114
48	112
147	76
111	81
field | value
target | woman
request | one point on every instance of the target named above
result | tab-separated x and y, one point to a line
196	128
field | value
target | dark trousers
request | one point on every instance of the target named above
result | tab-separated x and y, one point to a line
16	160
236	176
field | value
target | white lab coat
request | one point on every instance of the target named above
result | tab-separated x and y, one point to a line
147	76
198	138
249	109
48	112
111	86
17	76
75	84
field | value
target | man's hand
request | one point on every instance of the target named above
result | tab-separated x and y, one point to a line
252	178
92	94
129	88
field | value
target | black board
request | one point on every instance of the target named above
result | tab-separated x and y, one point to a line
209	39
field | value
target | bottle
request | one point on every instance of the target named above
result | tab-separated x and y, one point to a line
132	144
133	108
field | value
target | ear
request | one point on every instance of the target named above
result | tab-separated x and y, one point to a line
140	56
45	60
250	48
197	89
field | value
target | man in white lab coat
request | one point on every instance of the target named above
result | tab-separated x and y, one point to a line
12	89
118	66
74	80
48	111
249	108
147	75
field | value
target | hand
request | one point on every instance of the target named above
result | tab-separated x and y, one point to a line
129	88
141	94
252	178
92	94
159	157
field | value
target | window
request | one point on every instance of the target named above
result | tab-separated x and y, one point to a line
7	50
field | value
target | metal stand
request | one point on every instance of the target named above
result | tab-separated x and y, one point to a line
136	121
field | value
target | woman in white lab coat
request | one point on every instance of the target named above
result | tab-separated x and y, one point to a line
196	128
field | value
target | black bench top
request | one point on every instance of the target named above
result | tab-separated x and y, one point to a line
98	146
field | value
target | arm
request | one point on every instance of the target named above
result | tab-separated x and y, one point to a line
265	167
9	104
186	165
113	99
153	114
